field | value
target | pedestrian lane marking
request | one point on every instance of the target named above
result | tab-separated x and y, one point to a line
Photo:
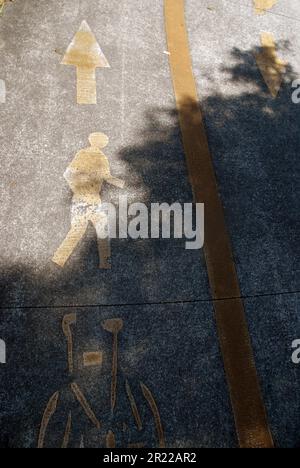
85	176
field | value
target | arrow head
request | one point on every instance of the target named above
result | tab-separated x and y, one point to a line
85	27
84	50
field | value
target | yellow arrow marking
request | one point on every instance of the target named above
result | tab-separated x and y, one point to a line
261	6
86	55
272	67
2	4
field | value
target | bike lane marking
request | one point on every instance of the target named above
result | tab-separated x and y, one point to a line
244	388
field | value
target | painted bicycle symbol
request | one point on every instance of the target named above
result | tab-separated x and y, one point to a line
113	326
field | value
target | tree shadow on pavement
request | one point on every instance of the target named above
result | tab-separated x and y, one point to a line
254	140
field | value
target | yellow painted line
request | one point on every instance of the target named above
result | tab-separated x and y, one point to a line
271	66
247	403
86	55
261	6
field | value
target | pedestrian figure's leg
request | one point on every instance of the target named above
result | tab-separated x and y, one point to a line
101	225
77	231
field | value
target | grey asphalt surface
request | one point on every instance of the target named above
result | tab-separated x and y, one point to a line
158	288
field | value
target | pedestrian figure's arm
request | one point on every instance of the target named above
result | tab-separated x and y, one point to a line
106	174
70	177
115	181
76	169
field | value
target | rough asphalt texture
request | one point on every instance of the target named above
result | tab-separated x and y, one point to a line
158	288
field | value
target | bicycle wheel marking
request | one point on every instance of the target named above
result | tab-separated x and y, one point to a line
247	403
83	402
153	406
134	408
69	320
48	413
67	432
114	326
110	440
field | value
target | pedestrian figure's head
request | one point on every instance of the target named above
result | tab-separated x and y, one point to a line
98	140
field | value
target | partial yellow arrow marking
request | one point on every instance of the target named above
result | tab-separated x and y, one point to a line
2	4
86	55
271	66
261	6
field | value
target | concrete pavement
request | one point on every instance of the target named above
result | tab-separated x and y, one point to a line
160	290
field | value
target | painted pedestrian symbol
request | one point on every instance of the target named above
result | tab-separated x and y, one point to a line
113	326
86	55
85	176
